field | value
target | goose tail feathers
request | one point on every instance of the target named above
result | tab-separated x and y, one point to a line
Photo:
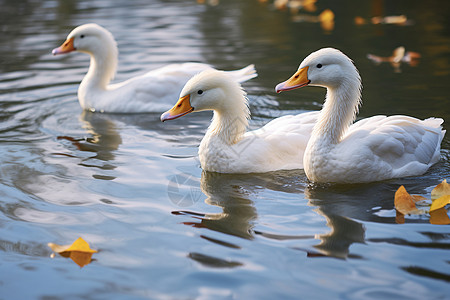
244	74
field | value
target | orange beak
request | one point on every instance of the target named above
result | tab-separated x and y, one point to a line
180	109
298	80
65	48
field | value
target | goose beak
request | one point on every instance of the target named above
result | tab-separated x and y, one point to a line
298	80
181	108
66	47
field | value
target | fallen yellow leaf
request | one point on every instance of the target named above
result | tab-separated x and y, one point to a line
360	20
81	245
309	5
79	251
442	189
404	202
440	202
326	16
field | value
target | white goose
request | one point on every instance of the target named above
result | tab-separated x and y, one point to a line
373	149
151	92
226	146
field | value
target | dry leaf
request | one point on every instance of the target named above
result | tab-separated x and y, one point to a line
439	217
395	19
417	198
440	202
360	20
79	251
326	19
404	202
442	189
398	54
281	4
309	5
326	16
398	20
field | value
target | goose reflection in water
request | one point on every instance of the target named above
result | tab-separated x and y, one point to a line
103	141
234	193
344	231
227	192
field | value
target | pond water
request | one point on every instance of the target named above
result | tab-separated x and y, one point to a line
132	186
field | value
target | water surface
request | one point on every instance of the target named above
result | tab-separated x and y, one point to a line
132	186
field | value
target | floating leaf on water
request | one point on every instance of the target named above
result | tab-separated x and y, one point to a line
442	189
326	16
398	20
309	5
80	251
281	4
395	19
411	56
440	202
404	202
418	198
398	54
360	20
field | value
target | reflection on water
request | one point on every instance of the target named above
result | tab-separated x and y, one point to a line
337	204
213	262
233	193
103	141
229	194
344	232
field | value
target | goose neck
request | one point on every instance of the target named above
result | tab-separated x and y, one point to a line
338	112
102	69
229	128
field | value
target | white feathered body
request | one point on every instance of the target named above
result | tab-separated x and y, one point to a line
279	145
373	149
376	148
227	146
150	92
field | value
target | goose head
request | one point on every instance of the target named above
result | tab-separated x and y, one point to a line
326	67
210	90
88	38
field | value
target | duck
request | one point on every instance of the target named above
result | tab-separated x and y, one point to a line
150	92
378	148
227	146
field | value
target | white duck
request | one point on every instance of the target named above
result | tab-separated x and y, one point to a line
151	92
373	149
226	146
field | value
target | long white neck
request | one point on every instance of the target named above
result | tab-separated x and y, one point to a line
102	68
230	120
227	127
338	112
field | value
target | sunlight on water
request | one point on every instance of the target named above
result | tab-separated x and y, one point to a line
133	188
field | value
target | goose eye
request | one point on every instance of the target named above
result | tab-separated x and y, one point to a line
319	66
82	36
200	92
